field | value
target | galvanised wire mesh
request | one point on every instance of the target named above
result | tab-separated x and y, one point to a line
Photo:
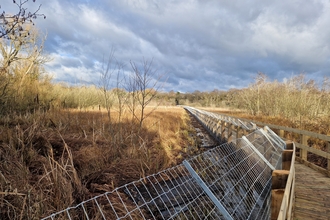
205	117
271	150
230	181
269	146
236	177
170	194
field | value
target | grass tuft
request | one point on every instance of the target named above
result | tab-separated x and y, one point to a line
50	161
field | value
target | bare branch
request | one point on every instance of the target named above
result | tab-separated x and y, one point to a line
143	85
12	25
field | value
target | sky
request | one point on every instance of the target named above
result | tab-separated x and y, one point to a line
193	44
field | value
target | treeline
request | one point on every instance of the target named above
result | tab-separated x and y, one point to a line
297	98
26	87
23	82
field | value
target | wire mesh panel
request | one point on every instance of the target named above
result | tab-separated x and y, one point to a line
275	138
237	178
270	149
204	116
230	181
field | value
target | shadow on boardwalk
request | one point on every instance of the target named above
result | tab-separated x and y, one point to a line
312	191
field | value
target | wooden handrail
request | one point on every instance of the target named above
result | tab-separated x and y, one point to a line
302	146
293	130
283	186
286	209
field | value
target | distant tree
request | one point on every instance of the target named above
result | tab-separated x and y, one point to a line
251	96
143	86
108	69
18	42
119	92
14	25
177	98
21	60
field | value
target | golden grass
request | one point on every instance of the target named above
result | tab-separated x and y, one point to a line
50	161
319	125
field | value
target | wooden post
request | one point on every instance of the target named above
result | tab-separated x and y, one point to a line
279	179
289	145
277	197
230	133
327	149
218	133
286	159
216	127
279	132
223	137
303	141
238	132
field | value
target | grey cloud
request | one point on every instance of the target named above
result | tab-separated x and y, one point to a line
197	44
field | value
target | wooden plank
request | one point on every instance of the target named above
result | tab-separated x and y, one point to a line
312	190
286	159
303	214
327	148
312	208
292	199
230	132
277	197
313	150
287	202
304	198
293	130
303	141
289	145
279	179
313	166
312	194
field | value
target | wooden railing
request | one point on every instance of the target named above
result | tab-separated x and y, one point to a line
301	139
304	145
283	185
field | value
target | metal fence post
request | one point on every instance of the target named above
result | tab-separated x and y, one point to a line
207	191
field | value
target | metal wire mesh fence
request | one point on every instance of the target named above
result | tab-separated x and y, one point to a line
213	118
230	181
222	127
268	146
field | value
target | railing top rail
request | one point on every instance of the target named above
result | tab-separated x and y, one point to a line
288	198
294	130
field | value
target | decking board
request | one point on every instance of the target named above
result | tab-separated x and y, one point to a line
312	194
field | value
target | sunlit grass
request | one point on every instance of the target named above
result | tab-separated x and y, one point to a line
72	155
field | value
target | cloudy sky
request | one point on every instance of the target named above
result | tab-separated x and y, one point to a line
196	44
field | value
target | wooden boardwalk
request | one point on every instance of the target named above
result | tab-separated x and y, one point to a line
312	194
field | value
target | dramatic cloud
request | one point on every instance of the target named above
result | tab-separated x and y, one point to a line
197	44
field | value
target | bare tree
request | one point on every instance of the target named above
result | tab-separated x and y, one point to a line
22	59
15	36
13	25
108	69
251	96
143	86
120	93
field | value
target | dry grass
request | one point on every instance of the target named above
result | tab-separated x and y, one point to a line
50	161
319	125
